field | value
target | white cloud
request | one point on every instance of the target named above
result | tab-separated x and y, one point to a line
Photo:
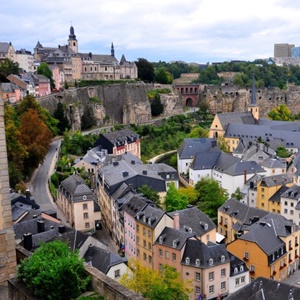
190	30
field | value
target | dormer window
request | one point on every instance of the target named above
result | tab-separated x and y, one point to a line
144	219
222	258
187	260
197	262
161	239
211	261
235	270
241	268
84	197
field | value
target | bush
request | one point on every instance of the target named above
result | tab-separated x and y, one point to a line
54	272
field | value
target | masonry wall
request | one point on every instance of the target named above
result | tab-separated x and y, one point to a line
7	240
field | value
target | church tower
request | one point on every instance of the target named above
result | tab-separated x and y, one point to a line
112	50
253	107
72	41
7	236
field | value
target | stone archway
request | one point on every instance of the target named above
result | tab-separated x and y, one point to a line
189	102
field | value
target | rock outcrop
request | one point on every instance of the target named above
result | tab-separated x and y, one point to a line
112	103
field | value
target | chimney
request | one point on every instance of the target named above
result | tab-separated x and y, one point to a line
61	228
245	176
27	241
176	221
40	226
27	194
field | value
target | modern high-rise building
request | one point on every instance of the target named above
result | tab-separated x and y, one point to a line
7	239
296	52
283	50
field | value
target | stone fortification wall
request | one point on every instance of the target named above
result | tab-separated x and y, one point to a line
230	98
119	103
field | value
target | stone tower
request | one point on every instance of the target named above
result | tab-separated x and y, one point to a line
7	239
72	41
253	107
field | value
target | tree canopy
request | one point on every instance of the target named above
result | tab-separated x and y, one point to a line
166	284
145	70
149	194
54	272
280	113
43	69
174	200
210	196
8	67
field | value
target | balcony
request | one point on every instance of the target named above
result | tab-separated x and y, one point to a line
252	272
246	258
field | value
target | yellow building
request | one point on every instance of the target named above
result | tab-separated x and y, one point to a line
269	190
233	215
149	224
264	253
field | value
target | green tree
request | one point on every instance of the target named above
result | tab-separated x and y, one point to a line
88	119
198	132
43	69
157	107
222	144
164	284
174	200
145	70
63	122
280	113
210	196
54	272
150	194
238	195
8	67
283	152
163	76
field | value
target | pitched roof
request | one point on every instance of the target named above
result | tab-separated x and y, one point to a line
4	47
102	259
237	266
242	212
276	197
193	218
275	180
77	187
150	216
267	289
173	238
257	234
190	147
236	118
209	255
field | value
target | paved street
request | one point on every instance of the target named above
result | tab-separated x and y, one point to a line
294	279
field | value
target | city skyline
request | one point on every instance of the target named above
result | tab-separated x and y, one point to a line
193	31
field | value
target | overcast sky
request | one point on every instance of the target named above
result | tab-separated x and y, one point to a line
189	30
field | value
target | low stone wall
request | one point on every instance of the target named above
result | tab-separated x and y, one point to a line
104	285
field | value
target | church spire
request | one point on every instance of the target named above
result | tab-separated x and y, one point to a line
112	51
253	90
72	35
72	41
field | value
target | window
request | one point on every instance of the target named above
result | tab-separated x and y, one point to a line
87	225
149	233
160	267
167	254
117	273
144	243
222	258
285	211
237	281
211	276
197	290
137	228
223	285
246	255
174	256
149	246
145	256
144	231
150	259
211	261
211	289
243	279
252	268
84	206
223	272
197	262
138	240
85	215
160	252
197	276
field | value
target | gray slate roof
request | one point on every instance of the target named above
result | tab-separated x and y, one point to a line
190	147
276	197
150	216
173	238
236	118
243	213
4	47
101	259
195	219
266	289
195	249
275	180
77	188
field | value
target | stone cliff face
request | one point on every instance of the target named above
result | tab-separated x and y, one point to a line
234	98
112	104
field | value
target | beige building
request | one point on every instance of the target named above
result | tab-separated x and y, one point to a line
78	203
